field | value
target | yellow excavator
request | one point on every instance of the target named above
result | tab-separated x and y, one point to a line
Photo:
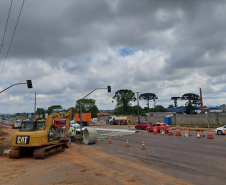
42	141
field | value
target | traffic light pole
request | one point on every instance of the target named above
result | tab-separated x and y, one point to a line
11	86
80	105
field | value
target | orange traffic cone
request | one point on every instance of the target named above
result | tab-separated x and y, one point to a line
109	140
155	130
178	131
209	134
127	143
189	132
170	132
143	146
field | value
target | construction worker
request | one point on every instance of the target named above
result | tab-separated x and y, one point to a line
72	135
157	121
128	123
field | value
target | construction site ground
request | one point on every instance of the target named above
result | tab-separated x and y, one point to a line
166	160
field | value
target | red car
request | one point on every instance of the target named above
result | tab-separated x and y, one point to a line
142	125
158	125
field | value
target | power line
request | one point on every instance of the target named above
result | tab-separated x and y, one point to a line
12	36
6	26
187	83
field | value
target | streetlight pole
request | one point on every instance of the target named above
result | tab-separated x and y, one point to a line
29	85
80	104
138	108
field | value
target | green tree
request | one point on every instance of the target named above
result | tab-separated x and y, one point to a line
170	106
158	108
40	111
73	111
148	97
134	110
175	100
192	99
50	109
88	105
123	98
119	110
131	110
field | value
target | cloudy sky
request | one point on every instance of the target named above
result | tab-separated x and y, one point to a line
70	47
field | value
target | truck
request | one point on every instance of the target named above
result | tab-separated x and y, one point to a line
86	118
59	123
120	120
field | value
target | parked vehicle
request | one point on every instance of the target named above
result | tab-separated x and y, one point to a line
122	120
59	123
142	125
159	126
86	118
7	122
74	124
220	130
17	124
78	129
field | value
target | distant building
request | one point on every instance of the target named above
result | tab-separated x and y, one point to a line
223	108
214	109
109	111
198	110
104	114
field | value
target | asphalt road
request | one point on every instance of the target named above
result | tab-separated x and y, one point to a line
198	161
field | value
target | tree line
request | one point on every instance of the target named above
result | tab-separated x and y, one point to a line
124	99
88	105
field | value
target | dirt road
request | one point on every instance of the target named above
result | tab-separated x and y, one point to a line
80	165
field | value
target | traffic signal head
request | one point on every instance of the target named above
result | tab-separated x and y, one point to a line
29	84
109	88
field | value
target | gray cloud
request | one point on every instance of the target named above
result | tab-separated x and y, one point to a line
68	48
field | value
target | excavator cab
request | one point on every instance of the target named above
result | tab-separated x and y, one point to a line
28	126
31	125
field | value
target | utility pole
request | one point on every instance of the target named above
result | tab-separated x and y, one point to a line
201	100
35	107
80	104
148	103
138	108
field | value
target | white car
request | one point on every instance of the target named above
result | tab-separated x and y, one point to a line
78	129
74	124
220	130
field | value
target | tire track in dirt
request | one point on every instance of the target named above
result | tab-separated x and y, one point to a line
120	169
80	165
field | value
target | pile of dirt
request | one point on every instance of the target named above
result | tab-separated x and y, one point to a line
5	139
79	139
101	122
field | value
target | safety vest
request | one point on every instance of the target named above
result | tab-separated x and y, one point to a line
72	133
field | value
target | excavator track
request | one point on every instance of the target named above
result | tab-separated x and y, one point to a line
16	153
46	151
